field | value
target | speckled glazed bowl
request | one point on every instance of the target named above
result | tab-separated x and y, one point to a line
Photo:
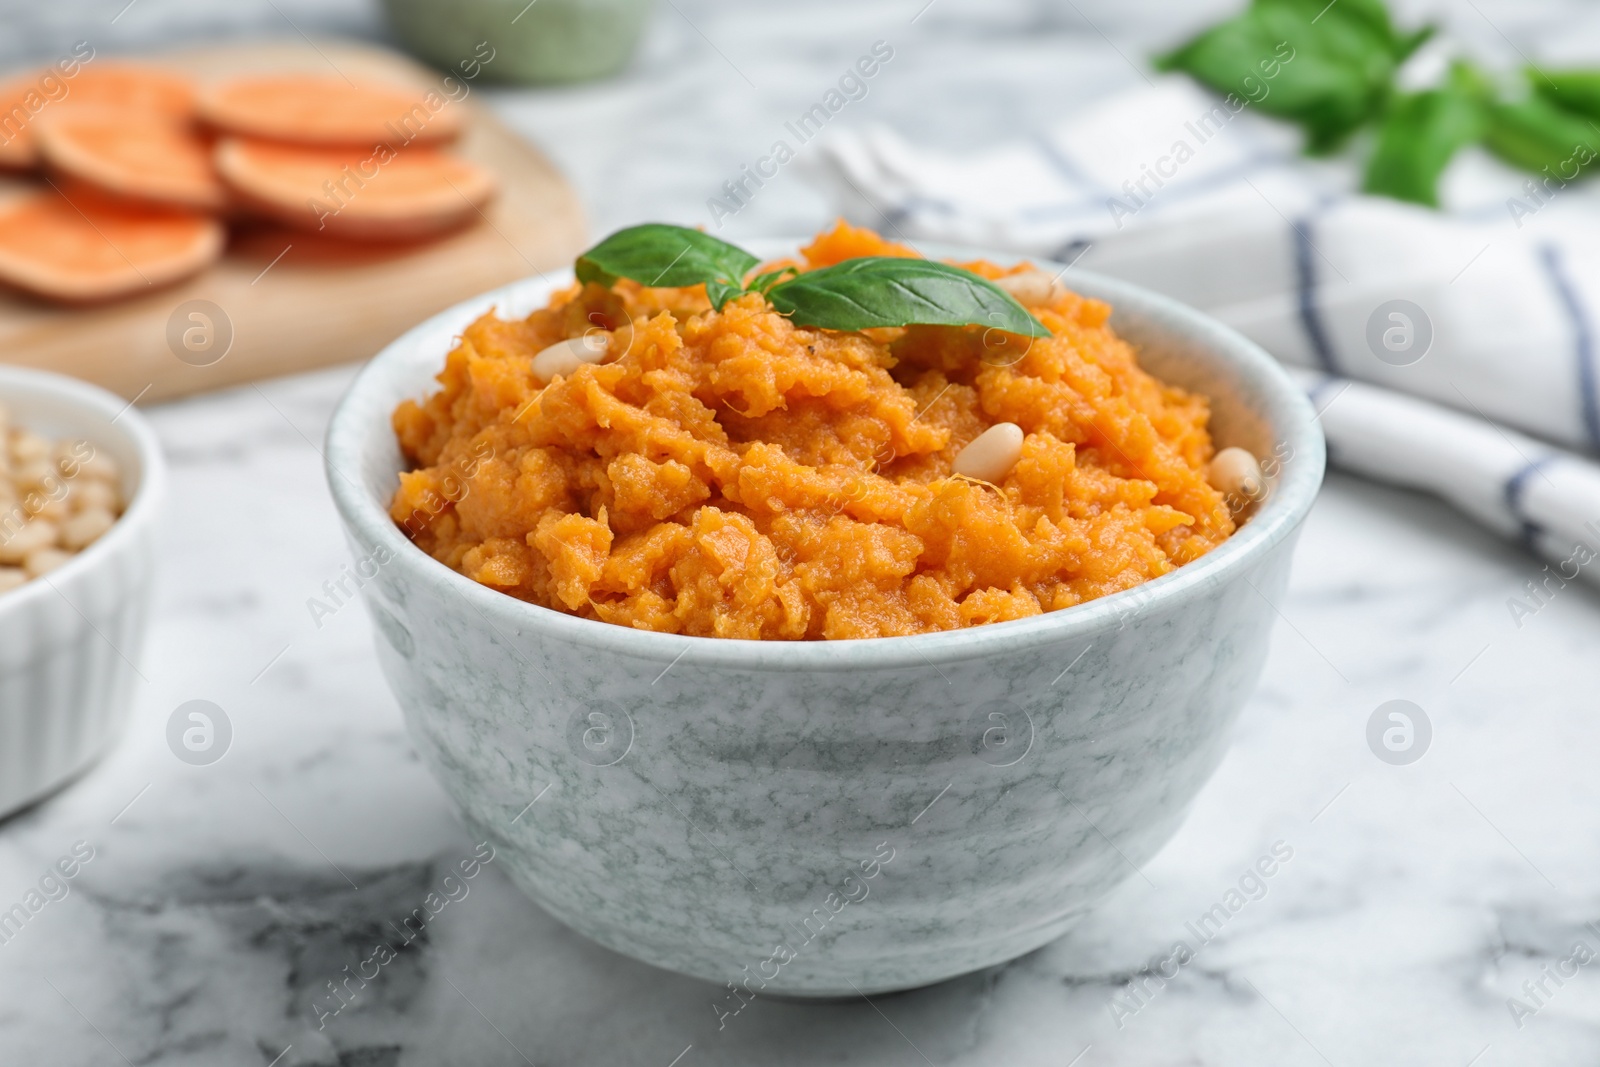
827	818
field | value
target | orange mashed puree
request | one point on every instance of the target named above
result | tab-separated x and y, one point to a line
732	475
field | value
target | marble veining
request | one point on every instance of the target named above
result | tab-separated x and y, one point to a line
1418	899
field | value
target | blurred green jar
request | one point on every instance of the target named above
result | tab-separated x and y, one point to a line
543	41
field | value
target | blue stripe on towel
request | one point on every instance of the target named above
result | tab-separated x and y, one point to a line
1515	486
1582	339
1306	285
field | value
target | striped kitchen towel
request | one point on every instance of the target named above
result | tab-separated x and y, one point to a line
1544	497
1488	308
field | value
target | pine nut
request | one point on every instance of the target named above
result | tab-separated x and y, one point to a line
990	456
31	536
32	472
99	467
43	560
57	497
87	496
1032	288
564	357
1236	475
27	445
86	527
42	505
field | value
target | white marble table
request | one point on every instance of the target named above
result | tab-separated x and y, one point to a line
220	899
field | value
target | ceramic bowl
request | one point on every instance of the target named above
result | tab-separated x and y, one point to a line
69	640
548	42
831	818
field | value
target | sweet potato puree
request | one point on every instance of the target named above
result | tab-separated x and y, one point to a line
732	475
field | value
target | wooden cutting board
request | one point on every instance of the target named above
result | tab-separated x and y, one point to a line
292	300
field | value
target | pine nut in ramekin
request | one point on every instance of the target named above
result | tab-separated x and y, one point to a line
75	589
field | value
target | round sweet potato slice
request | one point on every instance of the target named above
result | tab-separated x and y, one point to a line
360	193
312	110
142	155
78	247
129	87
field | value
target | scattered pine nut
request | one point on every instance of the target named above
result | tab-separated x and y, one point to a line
1237	476
990	456
1032	288
564	357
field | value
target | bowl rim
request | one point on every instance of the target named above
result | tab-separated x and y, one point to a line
121	417
1287	408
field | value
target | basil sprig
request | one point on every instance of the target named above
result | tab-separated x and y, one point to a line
1421	132
856	294
1335	76
1331	68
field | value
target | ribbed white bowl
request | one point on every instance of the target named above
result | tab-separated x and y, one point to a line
69	641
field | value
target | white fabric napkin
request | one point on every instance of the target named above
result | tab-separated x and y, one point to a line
1491	308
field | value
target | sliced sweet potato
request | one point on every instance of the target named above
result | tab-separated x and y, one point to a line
313	110
370	194
129	87
77	246
142	155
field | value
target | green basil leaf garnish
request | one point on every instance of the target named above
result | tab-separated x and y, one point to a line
671	257
762	282
1420	134
895	291
853	295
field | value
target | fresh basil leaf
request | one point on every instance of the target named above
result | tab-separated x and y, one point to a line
1577	91
1535	134
1420	134
764	281
859	294
1327	67
656	254
721	292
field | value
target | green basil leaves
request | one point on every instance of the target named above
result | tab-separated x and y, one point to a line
893	291
1331	68
1327	67
1420	134
857	294
671	257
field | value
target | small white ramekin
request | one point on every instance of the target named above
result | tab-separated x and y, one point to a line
70	640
